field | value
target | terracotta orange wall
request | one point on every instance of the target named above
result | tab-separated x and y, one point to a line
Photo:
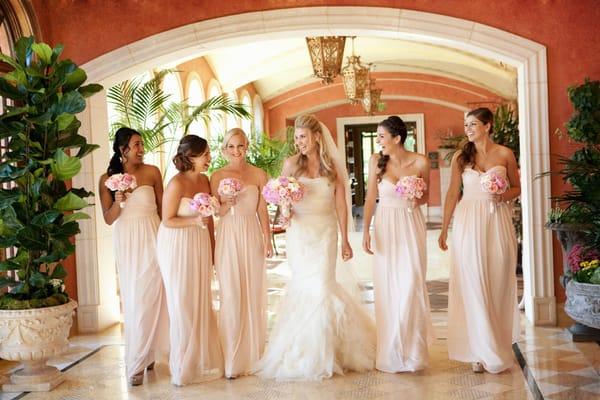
569	30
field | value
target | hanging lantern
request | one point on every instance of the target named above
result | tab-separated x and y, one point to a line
326	56
354	76
371	97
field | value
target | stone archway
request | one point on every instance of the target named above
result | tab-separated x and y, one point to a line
95	275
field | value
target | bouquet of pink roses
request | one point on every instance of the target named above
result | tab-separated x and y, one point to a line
205	204
121	183
411	187
493	183
283	191
230	187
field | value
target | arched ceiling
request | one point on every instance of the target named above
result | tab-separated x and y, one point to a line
276	66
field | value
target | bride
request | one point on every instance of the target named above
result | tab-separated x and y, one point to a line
320	329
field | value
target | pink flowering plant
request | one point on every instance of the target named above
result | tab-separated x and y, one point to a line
283	191
230	187
493	183
411	188
121	183
204	204
584	264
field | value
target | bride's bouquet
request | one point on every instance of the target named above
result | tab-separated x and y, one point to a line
121	183
205	204
493	183
283	191
230	187
411	188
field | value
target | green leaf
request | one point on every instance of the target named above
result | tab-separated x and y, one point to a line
16	76
71	102
75	216
32	238
43	51
6	281
9	60
46	218
65	167
16	262
64	120
70	202
89	90
38	280
57	51
87	149
66	231
74	80
59	272
23	50
9	90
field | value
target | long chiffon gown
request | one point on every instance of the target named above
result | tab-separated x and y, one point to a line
320	329
141	285
185	259
240	265
483	319
404	329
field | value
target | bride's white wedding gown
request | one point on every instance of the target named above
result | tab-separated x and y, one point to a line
320	329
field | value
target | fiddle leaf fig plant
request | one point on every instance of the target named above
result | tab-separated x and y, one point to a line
40	152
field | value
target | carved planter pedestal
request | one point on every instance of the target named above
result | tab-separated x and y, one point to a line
31	337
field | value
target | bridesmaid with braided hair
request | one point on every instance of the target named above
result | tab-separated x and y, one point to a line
135	229
401	302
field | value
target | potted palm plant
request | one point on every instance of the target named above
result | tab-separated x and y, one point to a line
39	210
576	220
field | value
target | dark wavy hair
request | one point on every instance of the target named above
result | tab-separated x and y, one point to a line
122	138
468	151
396	127
189	146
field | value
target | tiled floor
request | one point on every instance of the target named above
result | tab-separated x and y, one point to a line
547	366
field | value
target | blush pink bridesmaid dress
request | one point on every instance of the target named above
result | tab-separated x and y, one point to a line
404	329
240	265
483	319
185	259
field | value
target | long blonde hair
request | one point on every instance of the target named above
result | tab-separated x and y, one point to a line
326	167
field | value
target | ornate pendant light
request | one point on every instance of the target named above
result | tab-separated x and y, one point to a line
326	56
354	76
372	95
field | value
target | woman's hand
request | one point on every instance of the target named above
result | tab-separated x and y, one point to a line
269	250
229	200
367	242
442	240
202	221
346	250
119	197
498	198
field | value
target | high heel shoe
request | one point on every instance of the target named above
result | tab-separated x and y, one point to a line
477	367
137	379
150	367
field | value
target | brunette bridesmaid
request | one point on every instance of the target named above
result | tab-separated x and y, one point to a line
404	329
243	242
185	247
135	227
483	319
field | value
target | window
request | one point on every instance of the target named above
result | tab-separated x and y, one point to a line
258	116
195	98
217	122
172	87
247	123
233	121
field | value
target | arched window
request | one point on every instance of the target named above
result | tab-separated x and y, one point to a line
247	123
195	96
172	87
217	122
233	121
259	116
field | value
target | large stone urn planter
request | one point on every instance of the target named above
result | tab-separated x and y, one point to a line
583	303
31	337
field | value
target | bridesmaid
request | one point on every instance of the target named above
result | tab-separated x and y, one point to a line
142	292
483	320
243	242
185	247
401	302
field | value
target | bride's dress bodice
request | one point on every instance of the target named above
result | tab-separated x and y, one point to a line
318	199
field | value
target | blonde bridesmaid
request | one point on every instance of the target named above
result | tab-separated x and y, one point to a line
185	247
135	226
483	320
399	276
243	242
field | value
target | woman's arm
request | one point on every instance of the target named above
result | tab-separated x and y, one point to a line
263	216
158	189
111	209
342	214
513	177
424	169
215	180
369	209
451	200
170	206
